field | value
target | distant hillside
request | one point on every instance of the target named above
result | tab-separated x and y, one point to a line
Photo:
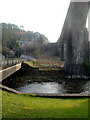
14	37
32	36
50	50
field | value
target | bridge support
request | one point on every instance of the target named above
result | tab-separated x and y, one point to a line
73	42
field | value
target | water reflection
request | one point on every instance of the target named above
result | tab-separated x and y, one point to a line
40	87
66	86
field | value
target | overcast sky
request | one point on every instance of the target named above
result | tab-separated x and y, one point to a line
44	16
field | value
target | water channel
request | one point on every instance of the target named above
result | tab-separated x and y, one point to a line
55	87
38	83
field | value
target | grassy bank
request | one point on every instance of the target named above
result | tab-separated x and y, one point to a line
24	106
46	64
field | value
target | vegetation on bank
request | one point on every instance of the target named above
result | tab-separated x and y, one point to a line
31	63
17	41
46	64
25	106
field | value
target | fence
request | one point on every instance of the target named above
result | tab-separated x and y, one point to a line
9	62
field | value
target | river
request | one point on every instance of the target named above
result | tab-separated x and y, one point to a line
47	84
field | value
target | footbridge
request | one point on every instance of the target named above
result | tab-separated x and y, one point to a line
8	67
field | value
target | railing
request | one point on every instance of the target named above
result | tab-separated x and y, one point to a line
9	62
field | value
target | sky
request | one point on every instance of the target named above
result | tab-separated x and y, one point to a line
43	16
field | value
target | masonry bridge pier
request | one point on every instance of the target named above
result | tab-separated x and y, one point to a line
74	39
8	67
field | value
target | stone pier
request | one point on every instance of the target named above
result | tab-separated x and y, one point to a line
73	42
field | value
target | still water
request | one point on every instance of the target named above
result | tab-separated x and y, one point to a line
63	86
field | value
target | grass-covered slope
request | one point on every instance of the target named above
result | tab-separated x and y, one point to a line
24	106
46	64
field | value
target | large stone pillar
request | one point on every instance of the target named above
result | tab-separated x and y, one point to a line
73	42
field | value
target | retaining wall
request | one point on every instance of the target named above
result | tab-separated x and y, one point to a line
4	73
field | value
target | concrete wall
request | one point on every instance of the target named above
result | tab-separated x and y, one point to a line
8	71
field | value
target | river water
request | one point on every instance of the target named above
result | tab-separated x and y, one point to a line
47	84
56	87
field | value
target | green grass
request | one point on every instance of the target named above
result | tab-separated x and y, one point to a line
25	106
31	63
